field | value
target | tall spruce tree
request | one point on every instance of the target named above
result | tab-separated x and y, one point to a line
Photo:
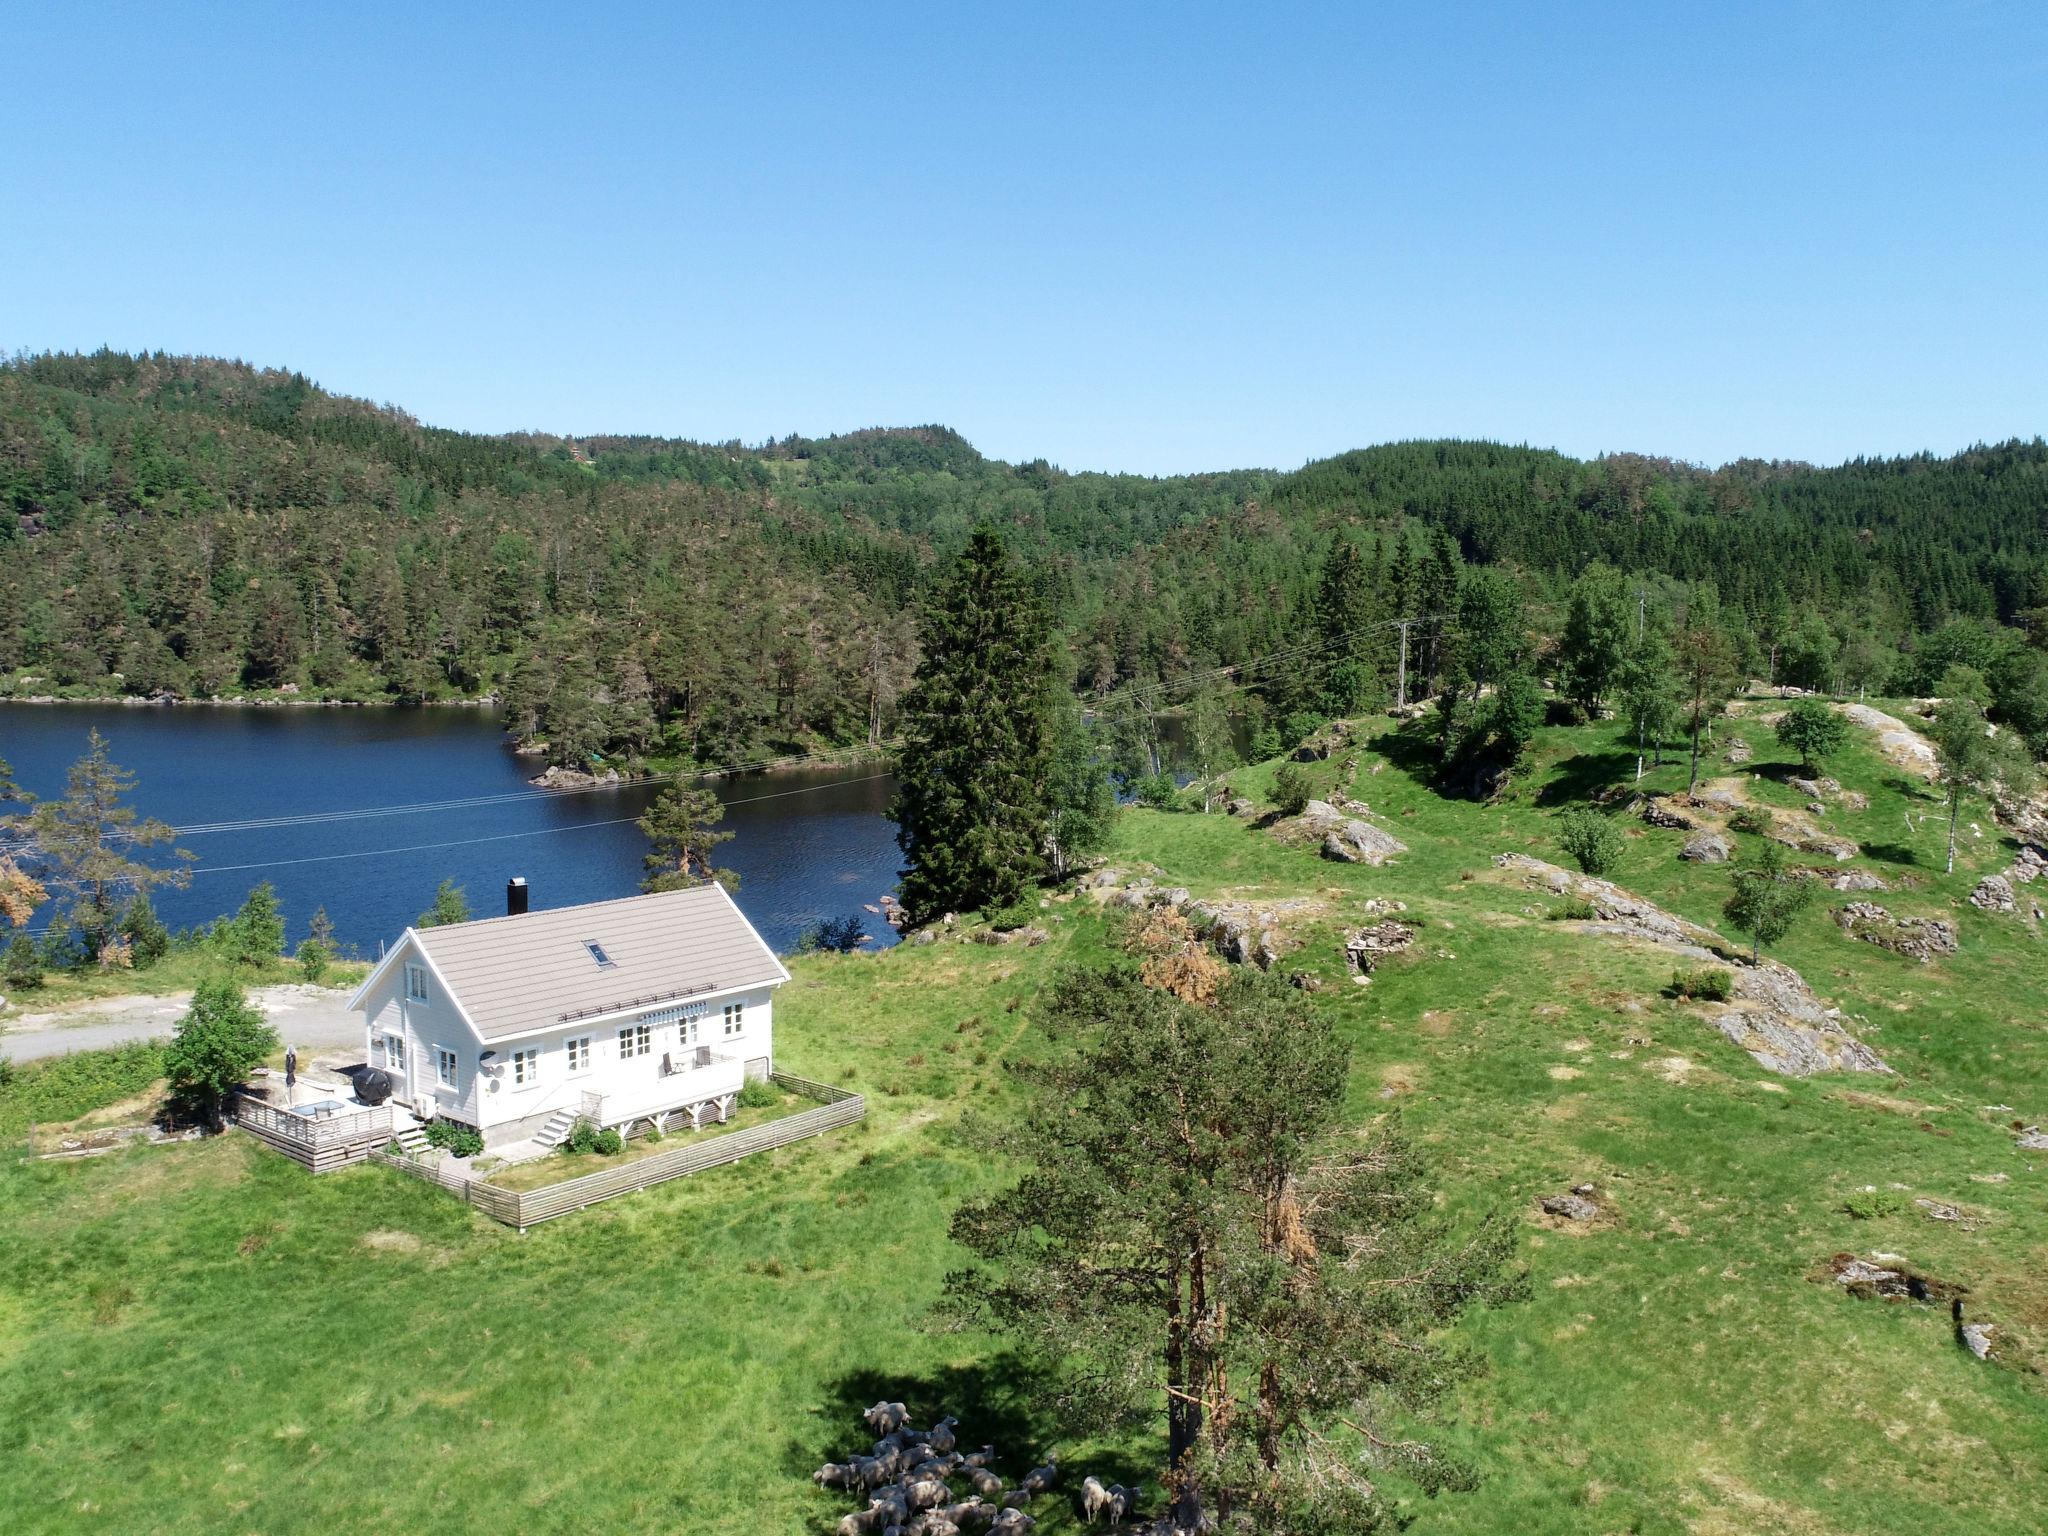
971	808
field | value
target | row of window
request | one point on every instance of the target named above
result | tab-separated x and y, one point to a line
634	1040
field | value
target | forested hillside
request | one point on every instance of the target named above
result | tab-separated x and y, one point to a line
192	527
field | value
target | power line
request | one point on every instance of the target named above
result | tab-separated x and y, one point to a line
500	837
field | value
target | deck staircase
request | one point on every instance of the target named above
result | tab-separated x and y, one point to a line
557	1130
412	1139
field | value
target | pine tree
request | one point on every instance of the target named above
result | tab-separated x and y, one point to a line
681	831
257	932
450	906
971	808
1707	669
81	846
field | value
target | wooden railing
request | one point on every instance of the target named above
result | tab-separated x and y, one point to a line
530	1207
311	1130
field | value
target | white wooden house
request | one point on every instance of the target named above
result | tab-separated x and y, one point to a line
636	1013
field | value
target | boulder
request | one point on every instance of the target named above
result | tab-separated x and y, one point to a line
1569	1207
1994	894
1706	848
1305	981
1360	842
1030	936
1321	810
2028	865
1242	808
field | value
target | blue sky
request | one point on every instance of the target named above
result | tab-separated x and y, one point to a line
1118	237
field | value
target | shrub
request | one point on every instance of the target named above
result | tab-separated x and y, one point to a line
1872	1204
256	934
1751	819
582	1139
1709	984
1265	743
836	935
1290	789
148	940
24	969
1017	914
610	1143
1592	839
453	1136
759	1094
653	1134
1159	792
1574	909
1299	726
313	957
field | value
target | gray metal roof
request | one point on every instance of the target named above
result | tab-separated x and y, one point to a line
522	975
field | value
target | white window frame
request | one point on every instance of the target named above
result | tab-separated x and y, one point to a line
394	1050
415	983
445	1066
526	1067
635	1040
577	1050
735	1019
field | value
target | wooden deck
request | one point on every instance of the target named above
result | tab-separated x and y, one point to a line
321	1144
526	1208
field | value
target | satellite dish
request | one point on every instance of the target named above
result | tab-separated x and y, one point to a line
373	1086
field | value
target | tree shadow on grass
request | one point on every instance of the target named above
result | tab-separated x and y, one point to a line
1579	778
1891	853
1004	1401
1412	748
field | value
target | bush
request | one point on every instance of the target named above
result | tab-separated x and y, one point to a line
1265	743
1873	1204
1290	789
1709	984
148	940
1591	838
24	969
835	935
1751	819
759	1093
582	1139
653	1134
1017	914
1159	792
256	933
313	957
453	1136
1574	909
610	1143
1299	726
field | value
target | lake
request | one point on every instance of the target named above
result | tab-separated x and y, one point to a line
807	843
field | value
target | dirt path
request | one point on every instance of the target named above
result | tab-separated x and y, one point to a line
312	1018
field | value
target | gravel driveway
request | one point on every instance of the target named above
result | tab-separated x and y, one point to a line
312	1018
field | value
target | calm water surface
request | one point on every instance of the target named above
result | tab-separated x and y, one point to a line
807	844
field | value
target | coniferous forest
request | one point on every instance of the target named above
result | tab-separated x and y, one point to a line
189	528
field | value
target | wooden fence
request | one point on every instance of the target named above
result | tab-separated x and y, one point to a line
526	1208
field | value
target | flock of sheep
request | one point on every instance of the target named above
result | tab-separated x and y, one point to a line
907	1480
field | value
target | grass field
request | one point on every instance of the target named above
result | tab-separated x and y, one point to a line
203	1337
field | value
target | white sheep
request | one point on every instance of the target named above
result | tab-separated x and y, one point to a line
927	1493
985	1482
1094	1498
833	1474
1122	1502
1012	1522
940	1437
1039	1479
885	1418
860	1522
980	1458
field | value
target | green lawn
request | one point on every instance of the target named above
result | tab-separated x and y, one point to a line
203	1337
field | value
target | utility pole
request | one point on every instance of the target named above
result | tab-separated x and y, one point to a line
1401	687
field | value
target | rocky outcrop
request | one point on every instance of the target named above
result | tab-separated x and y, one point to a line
1899	742
1341	832
1661	813
1366	948
1917	938
1994	893
1844	880
1706	848
1325	743
1805	837
1030	936
1772	1013
573	778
